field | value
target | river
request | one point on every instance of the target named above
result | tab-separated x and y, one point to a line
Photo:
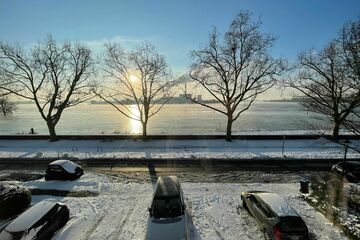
172	119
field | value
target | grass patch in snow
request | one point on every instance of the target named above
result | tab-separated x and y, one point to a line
339	201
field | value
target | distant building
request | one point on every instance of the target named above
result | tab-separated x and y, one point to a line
185	96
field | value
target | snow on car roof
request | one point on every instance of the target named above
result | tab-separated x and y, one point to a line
277	204
28	218
69	166
167	187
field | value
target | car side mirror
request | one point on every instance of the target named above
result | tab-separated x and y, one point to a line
149	209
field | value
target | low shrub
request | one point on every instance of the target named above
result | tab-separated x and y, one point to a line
13	199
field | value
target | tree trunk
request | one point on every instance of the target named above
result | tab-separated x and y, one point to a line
335	132
144	130
228	129
52	132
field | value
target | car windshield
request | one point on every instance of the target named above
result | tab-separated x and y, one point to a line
295	225
167	208
55	168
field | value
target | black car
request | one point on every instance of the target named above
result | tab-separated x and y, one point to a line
168	211
63	170
277	219
39	222
349	169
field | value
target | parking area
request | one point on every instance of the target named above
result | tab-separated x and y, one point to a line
117	206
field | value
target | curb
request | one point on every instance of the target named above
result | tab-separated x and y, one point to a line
266	162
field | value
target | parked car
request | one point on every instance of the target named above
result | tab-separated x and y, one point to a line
13	199
349	169
168	211
277	219
39	222
63	170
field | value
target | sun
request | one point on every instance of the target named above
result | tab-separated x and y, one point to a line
133	78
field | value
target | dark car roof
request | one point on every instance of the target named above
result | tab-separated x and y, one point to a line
167	187
277	204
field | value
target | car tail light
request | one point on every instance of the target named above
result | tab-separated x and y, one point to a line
277	232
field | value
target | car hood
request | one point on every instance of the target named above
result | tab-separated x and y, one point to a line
159	229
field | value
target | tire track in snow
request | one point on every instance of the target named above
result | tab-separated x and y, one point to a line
247	221
119	228
95	226
212	224
98	220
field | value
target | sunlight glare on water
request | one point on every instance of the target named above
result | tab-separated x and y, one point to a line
135	125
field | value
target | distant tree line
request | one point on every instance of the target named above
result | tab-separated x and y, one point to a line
234	68
6	105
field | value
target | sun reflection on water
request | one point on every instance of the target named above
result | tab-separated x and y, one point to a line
135	125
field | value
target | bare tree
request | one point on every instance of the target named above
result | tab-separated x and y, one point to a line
349	41
236	69
330	80
6	106
55	77
140	78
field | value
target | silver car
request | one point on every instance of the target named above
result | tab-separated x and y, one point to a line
168	211
276	218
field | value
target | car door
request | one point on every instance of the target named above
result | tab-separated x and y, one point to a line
255	209
266	216
260	213
252	201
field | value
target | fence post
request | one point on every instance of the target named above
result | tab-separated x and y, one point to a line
283	146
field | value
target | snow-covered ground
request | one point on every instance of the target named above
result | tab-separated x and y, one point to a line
175	149
120	209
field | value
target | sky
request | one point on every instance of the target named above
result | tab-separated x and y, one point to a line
174	27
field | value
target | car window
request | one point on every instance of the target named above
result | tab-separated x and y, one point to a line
292	225
261	206
167	208
265	210
253	199
55	168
